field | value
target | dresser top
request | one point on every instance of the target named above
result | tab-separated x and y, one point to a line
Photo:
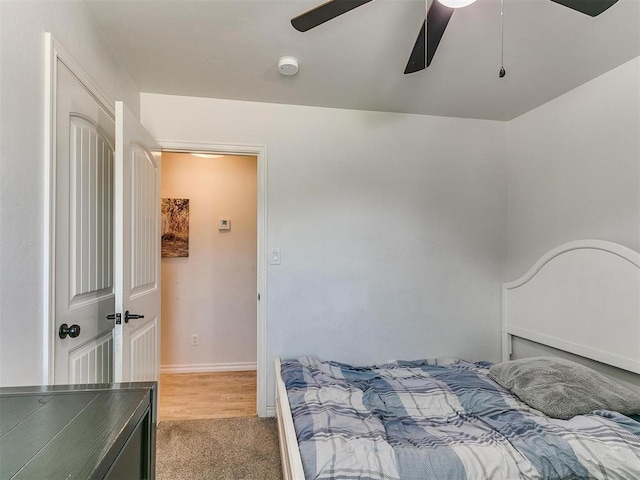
67	431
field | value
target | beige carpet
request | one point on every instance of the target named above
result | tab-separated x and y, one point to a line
218	449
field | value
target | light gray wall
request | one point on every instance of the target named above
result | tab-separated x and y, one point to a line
22	60
392	227
574	169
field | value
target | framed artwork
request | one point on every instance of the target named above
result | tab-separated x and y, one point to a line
175	227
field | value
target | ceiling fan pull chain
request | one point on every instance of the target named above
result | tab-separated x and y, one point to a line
503	72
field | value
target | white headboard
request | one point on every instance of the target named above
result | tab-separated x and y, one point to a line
582	297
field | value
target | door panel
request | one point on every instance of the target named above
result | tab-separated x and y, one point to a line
137	250
92	362
143	347
85	135
91	211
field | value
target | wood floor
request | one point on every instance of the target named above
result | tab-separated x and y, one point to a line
191	396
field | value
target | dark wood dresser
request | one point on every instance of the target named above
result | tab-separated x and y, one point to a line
78	432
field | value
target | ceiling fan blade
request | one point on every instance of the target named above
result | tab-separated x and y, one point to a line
588	7
325	12
438	18
418	57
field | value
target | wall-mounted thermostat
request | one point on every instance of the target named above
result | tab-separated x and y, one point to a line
224	224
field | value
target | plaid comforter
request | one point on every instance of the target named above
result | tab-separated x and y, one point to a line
429	420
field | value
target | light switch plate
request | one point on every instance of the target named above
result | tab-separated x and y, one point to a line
276	256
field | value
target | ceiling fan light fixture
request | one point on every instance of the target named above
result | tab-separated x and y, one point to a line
456	3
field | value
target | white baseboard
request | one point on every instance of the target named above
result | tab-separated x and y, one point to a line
209	367
271	411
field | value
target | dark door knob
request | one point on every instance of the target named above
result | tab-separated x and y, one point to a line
131	316
73	331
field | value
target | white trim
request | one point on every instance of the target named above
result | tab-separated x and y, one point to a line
54	52
209	367
260	151
49	195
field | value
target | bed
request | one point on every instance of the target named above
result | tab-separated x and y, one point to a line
447	418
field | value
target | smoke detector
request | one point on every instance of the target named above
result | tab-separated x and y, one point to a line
288	66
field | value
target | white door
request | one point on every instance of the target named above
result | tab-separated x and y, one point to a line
136	333
83	280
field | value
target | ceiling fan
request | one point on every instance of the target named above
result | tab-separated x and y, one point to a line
432	28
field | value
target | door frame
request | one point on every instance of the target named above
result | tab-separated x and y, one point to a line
54	52
260	152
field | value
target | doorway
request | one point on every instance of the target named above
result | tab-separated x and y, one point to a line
210	347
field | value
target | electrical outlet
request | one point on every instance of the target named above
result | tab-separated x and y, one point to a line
195	339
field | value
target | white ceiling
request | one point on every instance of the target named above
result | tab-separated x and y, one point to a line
230	48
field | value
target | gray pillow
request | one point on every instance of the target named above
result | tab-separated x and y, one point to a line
562	389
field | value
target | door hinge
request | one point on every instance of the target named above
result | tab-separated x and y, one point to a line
258	297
